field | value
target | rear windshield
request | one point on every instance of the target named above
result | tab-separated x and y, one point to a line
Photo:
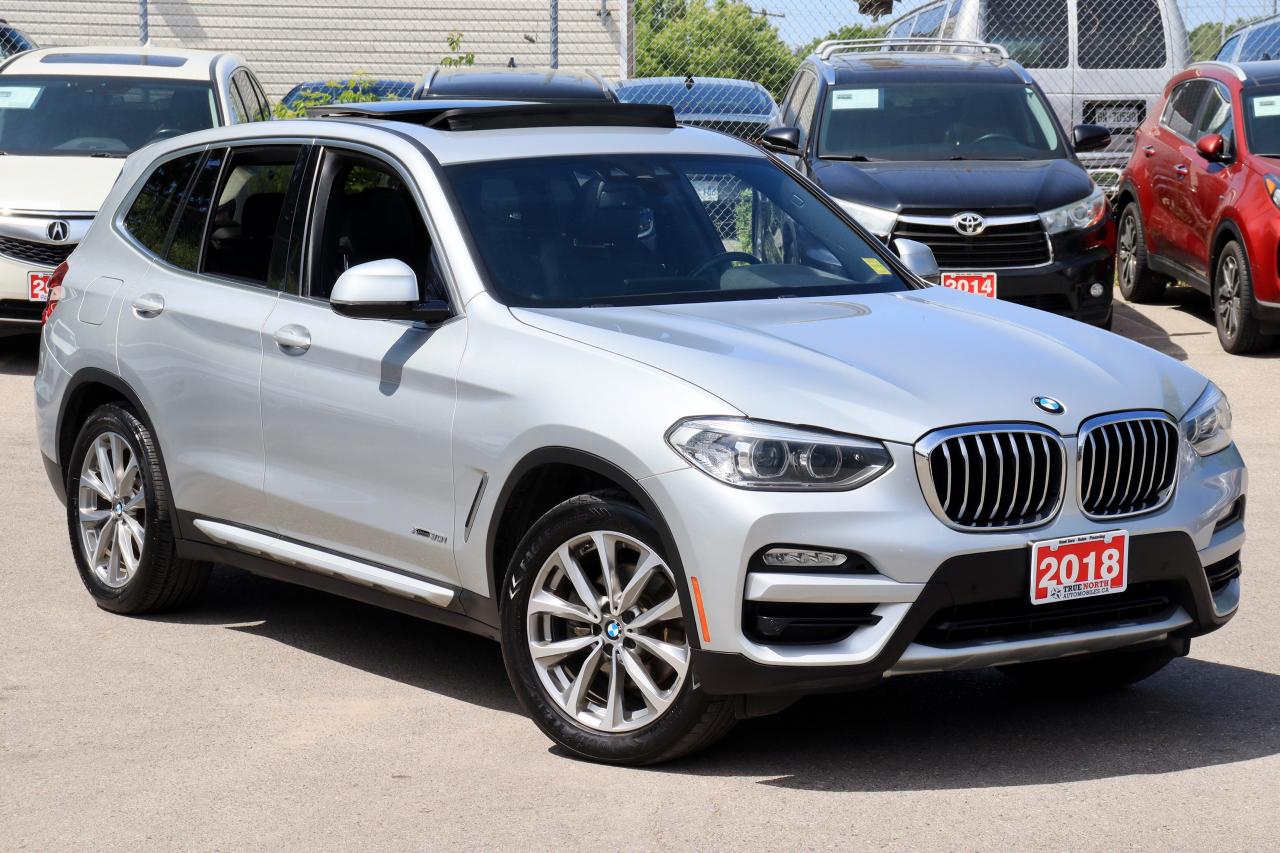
652	229
700	99
931	121
103	116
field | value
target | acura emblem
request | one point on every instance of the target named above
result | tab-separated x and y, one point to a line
58	230
1049	405
969	224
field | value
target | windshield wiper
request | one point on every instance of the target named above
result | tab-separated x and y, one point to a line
846	158
107	154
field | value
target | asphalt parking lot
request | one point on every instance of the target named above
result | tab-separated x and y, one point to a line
274	716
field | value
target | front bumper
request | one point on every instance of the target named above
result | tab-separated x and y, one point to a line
920	572
1062	287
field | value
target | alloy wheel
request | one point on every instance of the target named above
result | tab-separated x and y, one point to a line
606	632
1228	296
111	509
1126	251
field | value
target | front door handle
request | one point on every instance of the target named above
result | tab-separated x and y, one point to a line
1149	150
293	339
1182	169
149	305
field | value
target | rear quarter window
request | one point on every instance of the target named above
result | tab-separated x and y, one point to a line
152	212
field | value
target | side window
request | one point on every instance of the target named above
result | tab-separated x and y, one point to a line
1262	44
255	109
1184	105
1120	34
1035	32
1227	52
806	109
235	103
949	25
184	248
246	214
902	29
264	105
367	213
929	22
153	211
1216	116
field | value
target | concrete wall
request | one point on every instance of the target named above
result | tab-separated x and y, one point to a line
289	41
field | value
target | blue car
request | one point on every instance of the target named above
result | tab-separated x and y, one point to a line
382	90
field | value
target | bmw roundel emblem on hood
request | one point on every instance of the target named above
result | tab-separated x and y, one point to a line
1049	405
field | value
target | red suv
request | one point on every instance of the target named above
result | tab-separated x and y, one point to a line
1200	199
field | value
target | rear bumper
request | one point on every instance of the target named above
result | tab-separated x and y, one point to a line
1174	594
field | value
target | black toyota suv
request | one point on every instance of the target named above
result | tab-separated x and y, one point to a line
953	145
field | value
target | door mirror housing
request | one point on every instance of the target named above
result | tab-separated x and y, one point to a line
918	258
384	290
782	140
1212	147
1090	137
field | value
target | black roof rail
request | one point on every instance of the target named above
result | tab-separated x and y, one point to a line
497	115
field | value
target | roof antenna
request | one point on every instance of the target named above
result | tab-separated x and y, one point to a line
511	63
688	82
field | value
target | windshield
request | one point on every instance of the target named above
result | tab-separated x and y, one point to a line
652	229
932	121
1262	121
106	116
701	98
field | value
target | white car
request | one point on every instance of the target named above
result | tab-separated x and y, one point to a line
68	118
497	366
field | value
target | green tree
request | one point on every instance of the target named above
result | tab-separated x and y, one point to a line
456	58
712	38
850	31
356	90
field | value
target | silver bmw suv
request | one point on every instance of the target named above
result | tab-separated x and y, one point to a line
634	400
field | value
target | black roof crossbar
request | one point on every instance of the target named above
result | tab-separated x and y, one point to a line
498	115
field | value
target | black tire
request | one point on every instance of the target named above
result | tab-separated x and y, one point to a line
1091	673
1239	331
1133	274
162	580
693	721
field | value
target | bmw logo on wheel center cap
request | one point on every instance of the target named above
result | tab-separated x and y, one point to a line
1049	405
613	630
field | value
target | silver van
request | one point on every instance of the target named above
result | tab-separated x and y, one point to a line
1098	61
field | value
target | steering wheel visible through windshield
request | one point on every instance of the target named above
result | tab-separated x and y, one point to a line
933	121
651	229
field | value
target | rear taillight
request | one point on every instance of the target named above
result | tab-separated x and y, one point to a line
55	291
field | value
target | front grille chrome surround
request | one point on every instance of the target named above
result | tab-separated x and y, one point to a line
989	478
1127	464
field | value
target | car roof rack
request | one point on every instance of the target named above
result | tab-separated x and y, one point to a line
831	48
1238	72
499	115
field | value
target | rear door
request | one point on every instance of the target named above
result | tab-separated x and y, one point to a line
1169	218
358	414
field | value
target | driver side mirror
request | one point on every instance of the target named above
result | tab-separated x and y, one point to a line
918	258
384	290
782	140
1090	137
1212	147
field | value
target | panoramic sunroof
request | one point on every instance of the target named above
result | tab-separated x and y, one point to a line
114	59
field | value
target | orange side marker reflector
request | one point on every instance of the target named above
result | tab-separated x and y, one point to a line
702	614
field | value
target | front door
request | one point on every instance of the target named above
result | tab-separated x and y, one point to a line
357	414
1169	150
1209	182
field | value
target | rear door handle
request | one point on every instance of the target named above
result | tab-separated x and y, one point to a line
1182	169
149	305
293	339
1149	150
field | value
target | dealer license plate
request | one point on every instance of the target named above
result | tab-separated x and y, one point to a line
1079	566
38	286
979	283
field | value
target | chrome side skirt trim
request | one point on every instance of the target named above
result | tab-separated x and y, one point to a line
322	562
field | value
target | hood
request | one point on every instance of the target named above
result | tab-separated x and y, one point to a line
892	366
64	184
950	186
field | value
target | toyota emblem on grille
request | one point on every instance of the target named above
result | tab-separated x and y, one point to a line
969	224
58	230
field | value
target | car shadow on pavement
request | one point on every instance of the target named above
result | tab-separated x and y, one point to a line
980	730
1137	327
421	654
18	354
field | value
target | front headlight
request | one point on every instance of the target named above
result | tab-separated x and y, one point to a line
878	221
763	455
1272	183
1077	216
1207	427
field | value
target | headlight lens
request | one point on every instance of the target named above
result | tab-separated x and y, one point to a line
1207	426
762	455
1273	188
876	220
1077	216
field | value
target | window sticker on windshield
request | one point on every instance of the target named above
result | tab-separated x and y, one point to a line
877	266
1266	107
856	99
18	97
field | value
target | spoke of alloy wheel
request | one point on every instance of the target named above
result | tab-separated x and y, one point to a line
116	446
106	467
94	517
125	549
639	580
661	612
543	601
582	681
130	472
90	479
113	558
650	692
614	709
606	547
581	585
136	501
135	530
676	657
105	537
557	649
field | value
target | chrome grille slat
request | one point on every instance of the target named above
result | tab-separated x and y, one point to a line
1013	475
1119	457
